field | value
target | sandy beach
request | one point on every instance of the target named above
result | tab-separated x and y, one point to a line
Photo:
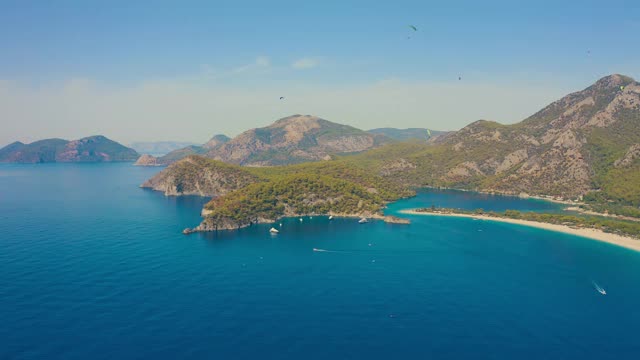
624	241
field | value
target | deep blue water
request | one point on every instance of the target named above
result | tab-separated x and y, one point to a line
93	267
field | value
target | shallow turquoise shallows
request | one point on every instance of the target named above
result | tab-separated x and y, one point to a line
93	267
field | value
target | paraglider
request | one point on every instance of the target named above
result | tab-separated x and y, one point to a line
459	77
412	27
621	88
281	97
428	134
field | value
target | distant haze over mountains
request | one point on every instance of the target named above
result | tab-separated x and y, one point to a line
290	140
406	134
158	148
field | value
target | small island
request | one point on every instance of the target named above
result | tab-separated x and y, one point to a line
618	232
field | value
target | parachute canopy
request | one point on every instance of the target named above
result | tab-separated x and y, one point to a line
428	133
413	27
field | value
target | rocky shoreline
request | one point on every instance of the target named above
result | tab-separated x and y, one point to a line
208	225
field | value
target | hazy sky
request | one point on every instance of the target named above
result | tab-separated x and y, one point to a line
185	70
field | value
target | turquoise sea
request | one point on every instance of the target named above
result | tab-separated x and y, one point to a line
93	267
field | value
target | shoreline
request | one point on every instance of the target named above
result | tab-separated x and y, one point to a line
595	213
389	219
548	198
594	234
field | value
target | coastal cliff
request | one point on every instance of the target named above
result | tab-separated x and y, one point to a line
196	175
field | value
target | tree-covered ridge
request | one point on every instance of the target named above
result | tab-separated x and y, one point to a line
341	169
290	195
182	153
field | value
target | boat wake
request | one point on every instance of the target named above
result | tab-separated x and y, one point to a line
329	251
599	288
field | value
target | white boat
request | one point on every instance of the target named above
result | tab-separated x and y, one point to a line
599	288
300	219
363	220
273	230
602	291
330	217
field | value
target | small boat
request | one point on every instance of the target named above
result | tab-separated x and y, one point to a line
273	230
330	217
599	288
300	219
363	220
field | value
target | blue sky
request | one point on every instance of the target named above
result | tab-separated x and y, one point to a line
158	70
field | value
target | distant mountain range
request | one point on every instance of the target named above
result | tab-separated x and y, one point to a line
89	149
291	140
407	134
158	148
215	141
582	142
585	145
